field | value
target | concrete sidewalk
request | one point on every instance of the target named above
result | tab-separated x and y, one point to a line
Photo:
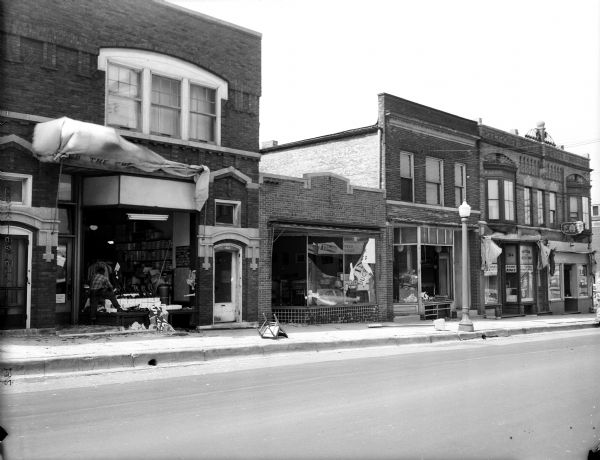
96	349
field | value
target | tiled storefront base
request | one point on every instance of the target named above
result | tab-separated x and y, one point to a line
328	315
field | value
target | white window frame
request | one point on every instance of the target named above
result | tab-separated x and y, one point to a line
527	205
237	206
540	209
585	211
461	171
148	63
551	208
408	175
440	184
26	181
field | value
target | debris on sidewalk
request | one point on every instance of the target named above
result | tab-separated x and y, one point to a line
271	329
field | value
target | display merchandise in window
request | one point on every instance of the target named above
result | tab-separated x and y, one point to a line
340	270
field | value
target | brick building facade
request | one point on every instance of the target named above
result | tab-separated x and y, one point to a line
324	246
529	205
421	262
181	84
537	211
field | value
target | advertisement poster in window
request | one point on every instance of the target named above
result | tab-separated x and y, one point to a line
526	275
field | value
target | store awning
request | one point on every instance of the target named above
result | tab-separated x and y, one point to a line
514	237
101	147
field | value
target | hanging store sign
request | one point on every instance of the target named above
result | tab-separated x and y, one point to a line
511	268
572	228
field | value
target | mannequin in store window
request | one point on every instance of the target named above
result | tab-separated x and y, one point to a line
101	289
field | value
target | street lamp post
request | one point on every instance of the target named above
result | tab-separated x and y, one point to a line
466	325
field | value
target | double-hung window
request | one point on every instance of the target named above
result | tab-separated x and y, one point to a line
509	200
552	208
540	207
527	205
501	199
165	112
460	184
203	113
406	176
124	98
160	95
573	208
585	211
579	209
433	181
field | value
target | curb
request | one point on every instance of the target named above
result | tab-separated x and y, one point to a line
41	368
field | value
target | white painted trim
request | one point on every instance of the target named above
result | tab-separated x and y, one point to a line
12	230
26	188
149	63
237	206
126	133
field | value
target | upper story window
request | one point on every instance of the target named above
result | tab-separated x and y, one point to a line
595	210
433	181
406	176
552	208
15	189
527	205
124	98
573	208
501	199
579	209
165	108
460	184
161	95
540	207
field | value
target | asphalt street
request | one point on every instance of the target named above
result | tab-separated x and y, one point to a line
523	397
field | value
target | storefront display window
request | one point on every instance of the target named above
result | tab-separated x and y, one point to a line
511	274
490	281
323	270
526	273
554	283
582	281
340	270
405	274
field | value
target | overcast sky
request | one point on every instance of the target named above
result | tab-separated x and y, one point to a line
511	63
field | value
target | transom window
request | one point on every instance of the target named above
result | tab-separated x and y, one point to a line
433	181
160	95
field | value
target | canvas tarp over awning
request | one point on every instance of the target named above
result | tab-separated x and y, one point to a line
95	146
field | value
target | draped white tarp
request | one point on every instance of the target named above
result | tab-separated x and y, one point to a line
489	252
95	146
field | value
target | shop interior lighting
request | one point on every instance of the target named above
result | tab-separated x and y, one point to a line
161	217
